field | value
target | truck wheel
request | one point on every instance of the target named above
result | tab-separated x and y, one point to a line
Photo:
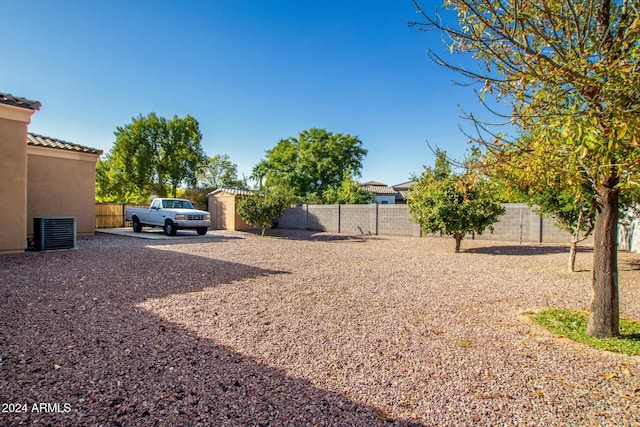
137	227
170	228
202	231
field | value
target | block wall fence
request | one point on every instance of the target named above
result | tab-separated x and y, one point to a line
520	223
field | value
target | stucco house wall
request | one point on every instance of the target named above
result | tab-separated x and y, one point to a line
40	176
61	183
384	194
15	116
385	199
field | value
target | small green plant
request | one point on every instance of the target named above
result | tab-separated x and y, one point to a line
573	325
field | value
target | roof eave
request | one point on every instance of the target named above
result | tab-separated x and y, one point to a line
17	101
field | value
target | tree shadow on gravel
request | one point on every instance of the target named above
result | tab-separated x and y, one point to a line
157	237
314	236
72	335
525	250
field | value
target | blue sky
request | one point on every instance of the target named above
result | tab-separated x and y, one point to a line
251	73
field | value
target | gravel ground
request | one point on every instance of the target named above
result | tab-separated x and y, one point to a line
304	329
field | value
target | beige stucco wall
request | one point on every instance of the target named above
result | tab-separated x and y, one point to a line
222	207
13	176
61	183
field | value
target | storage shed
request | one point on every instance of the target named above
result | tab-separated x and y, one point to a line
223	208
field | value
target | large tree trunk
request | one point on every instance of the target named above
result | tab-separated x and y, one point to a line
604	316
160	189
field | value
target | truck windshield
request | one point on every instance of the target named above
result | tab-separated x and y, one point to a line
177	204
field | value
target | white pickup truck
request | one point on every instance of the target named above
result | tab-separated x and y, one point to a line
170	214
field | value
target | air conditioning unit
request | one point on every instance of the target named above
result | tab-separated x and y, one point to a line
52	233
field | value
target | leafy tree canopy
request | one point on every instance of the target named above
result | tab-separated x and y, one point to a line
570	72
453	204
151	155
218	172
311	163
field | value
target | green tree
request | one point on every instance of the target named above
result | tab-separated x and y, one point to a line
183	153
311	163
574	212
218	172
111	188
559	190
151	155
452	204
348	193
259	172
569	72
263	209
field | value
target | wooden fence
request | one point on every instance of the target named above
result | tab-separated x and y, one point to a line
111	215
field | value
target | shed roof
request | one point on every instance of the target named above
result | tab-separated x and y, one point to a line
233	191
48	142
16	101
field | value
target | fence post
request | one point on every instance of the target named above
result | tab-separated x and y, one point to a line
541	236
520	226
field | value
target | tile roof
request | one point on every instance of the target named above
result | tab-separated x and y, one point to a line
374	183
16	101
405	185
379	189
402	189
45	141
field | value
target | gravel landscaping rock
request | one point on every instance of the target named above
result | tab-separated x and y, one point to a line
305	329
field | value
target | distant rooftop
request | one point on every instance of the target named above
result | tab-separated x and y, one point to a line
16	101
404	186
378	188
45	141
402	189
373	183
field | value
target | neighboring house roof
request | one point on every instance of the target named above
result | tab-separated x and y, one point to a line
233	191
45	141
16	101
379	189
404	186
373	183
402	189
401	195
